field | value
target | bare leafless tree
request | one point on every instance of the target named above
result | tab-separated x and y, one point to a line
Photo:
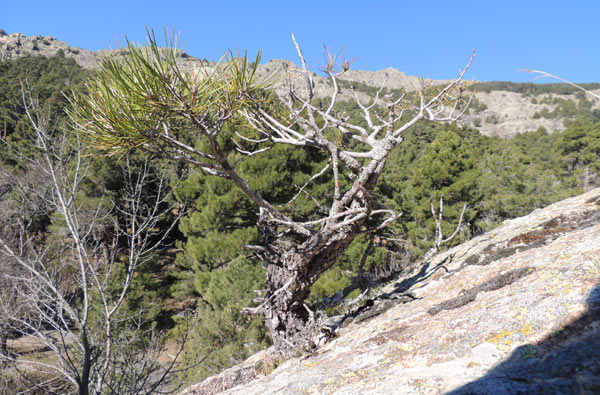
439	238
147	101
63	279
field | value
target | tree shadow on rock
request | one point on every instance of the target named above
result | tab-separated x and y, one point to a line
424	273
566	362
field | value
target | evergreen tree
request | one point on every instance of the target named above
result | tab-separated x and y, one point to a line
445	170
579	145
216	268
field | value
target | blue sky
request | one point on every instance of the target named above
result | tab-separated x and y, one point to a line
426	38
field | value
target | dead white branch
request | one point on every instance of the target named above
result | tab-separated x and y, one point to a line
439	239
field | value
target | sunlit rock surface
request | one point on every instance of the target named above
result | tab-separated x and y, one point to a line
514	311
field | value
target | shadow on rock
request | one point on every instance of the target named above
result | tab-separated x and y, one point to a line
424	273
567	362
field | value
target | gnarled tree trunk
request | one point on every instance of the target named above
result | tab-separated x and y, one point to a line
291	272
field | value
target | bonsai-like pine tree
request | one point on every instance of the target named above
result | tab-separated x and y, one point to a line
151	101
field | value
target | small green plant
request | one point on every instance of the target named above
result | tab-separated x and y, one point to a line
493	119
528	351
477	106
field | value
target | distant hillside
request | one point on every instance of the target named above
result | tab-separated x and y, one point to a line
498	109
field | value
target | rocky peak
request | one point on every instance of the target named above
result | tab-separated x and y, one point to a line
390	77
16	45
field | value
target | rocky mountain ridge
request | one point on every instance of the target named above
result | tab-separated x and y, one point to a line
497	113
513	311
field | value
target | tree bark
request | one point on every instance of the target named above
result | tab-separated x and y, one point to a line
291	272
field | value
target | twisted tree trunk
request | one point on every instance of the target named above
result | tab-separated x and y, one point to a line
291	272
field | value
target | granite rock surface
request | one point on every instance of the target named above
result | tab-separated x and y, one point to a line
513	311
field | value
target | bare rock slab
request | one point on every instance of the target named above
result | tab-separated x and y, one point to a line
526	321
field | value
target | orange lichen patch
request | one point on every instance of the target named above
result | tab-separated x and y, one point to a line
530	237
391	335
348	374
416	383
405	347
500	337
526	330
364	372
388	360
345	378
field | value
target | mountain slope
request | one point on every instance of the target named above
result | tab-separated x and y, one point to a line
495	113
516	310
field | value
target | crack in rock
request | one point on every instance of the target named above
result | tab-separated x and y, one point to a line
469	295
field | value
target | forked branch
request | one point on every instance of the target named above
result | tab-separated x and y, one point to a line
439	239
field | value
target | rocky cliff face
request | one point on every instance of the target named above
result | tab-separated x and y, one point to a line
514	311
501	113
17	45
509	113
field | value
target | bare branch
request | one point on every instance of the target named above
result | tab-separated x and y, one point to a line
439	238
57	283
458	226
314	177
543	74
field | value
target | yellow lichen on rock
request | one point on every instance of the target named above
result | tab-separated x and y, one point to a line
526	330
498	338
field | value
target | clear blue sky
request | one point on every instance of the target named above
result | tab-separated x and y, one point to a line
427	38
